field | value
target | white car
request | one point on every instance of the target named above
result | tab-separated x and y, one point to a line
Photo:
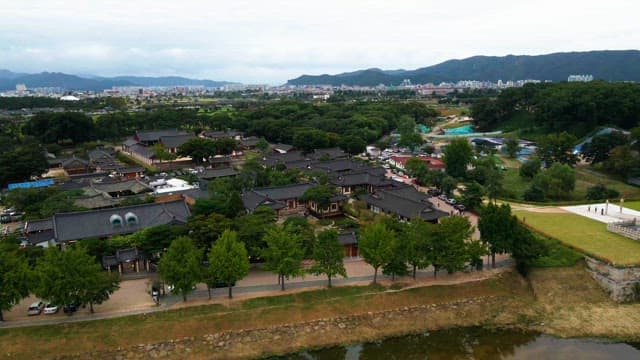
35	308
51	309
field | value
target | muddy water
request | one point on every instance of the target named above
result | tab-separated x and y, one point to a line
476	343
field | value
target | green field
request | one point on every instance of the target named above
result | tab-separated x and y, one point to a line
585	235
635	205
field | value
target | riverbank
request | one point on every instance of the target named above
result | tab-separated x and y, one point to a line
563	302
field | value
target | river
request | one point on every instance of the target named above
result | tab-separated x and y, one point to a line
475	344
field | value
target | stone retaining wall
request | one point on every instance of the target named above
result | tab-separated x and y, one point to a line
618	282
625	228
224	344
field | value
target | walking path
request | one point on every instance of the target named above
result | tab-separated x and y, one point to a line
132	297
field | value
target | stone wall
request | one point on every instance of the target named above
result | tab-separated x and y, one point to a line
625	228
618	282
224	345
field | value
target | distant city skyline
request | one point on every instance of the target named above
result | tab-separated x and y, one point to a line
273	41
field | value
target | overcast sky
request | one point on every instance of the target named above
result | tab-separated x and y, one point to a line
270	41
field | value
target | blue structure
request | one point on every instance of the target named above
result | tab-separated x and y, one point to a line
462	130
31	184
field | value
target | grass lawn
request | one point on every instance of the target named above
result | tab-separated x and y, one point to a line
635	205
585	235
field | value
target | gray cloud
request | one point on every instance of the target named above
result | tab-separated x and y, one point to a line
272	41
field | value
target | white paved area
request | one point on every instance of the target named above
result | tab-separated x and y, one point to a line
603	213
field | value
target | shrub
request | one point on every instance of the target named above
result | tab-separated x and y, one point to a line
599	192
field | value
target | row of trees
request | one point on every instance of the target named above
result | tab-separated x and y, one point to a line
60	277
402	248
228	260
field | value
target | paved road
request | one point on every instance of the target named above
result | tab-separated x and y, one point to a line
170	301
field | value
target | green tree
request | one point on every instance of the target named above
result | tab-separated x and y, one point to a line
204	230
375	246
623	160
448	185
397	263
530	168
162	153
557	148
21	160
100	286
14	277
416	168
562	181
512	146
198	149
452	235
352	145
65	277
262	145
228	260
180	266
457	156
328	256
601	192
418	235
300	226
475	251
472	195
225	146
252	228
526	248
307	140
283	254
496	229
597	150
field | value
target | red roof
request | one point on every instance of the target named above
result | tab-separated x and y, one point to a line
432	163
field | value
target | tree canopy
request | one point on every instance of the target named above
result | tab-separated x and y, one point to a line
228	260
180	266
328	255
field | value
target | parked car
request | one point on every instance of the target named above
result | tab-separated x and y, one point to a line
433	192
451	201
222	284
460	207
71	307
442	197
51	309
35	308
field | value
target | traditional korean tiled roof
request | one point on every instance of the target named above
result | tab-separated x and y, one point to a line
403	202
109	222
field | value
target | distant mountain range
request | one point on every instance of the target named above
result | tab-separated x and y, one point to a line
612	65
8	81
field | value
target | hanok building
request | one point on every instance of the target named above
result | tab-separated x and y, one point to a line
208	175
126	261
216	135
72	166
403	202
367	180
173	142
117	189
287	200
69	227
150	138
349	242
432	163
